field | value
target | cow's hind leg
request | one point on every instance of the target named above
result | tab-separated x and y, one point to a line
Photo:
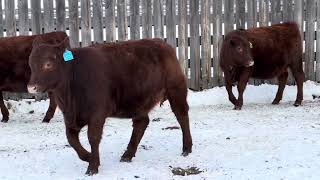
73	139
51	109
282	80
299	77
4	110
177	97
139	126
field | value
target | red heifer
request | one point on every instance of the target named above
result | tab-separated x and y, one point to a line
124	80
14	69
262	53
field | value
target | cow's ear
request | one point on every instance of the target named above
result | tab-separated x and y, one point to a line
37	41
65	44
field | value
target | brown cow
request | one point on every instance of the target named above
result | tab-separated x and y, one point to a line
262	53
124	80
14	69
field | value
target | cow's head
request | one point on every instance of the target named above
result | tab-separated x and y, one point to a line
239	51
47	65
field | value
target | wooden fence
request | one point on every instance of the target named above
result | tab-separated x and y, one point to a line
194	27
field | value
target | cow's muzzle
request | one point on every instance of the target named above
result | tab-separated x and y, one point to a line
33	89
251	63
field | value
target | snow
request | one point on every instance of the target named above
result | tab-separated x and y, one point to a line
262	141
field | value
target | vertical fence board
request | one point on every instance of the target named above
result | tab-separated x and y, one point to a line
60	14
194	46
241	12
48	14
23	17
158	18
135	19
74	23
205	45
35	16
2	23
228	16
10	20
263	13
276	12
110	20
122	20
85	23
318	43
309	52
217	38
299	15
287	10
170	22
183	35
97	21
147	18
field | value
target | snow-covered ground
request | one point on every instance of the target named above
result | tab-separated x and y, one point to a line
262	141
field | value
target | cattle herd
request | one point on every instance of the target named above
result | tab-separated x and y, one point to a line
127	79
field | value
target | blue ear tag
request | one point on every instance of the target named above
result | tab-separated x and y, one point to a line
67	55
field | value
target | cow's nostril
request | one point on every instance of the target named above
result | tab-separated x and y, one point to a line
32	89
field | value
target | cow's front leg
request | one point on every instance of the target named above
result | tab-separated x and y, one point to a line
95	129
73	139
228	80
241	87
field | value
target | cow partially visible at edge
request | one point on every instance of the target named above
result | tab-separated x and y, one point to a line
262	53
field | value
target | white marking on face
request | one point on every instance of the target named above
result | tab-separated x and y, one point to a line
251	46
32	89
251	63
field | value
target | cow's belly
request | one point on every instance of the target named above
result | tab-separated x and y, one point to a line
267	71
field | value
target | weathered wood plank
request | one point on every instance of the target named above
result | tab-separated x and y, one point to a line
97	21
110	20
122	20
250	17
217	39
10	20
194	46
205	45
309	48
287	10
35	16
2	22
183	36
318	44
48	14
135	18
263	13
276	12
299	15
23	17
228	16
170	22
61	15
240	14
74	23
147	18
85	23
309	51
158	18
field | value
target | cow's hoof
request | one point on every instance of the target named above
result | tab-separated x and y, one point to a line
45	120
296	104
92	171
237	108
125	159
4	120
185	153
275	102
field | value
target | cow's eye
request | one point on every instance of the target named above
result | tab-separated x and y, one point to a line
239	49
47	66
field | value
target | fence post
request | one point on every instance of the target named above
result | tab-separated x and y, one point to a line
23	17
275	12
158	18
146	18
85	23
97	21
228	16
73	23
10	19
61	15
241	13
318	43
135	19
194	46
110	20
309	48
122	20
170	23
205	45
48	15
263	13
183	33
217	39
35	16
